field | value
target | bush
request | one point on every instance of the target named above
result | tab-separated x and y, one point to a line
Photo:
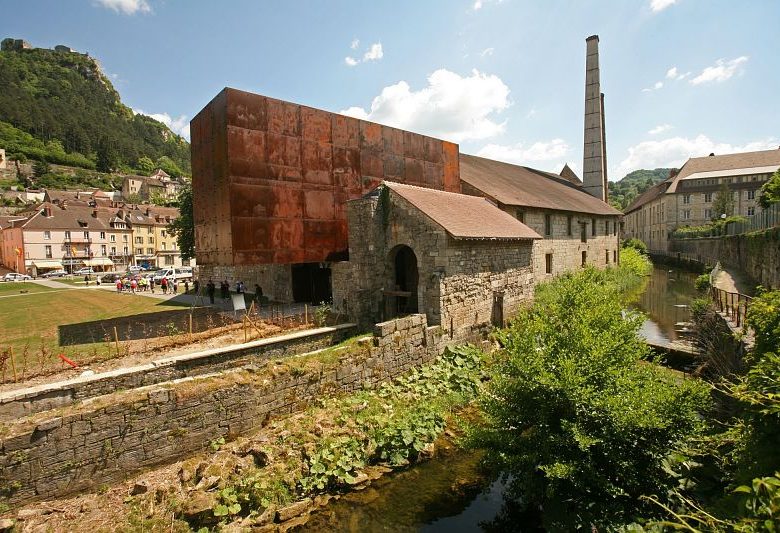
702	283
636	244
635	262
574	414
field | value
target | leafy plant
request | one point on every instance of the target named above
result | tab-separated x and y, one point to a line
702	282
228	505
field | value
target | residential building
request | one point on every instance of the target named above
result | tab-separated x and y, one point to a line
686	198
160	185
153	244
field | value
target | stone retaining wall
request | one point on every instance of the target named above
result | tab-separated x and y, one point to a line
104	440
18	403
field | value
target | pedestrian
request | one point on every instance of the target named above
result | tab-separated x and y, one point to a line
151	284
175	286
258	294
210	288
118	285
86	280
133	285
225	289
238	287
164	285
196	286
186	286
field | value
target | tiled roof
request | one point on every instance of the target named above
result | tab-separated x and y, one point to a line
568	174
648	196
463	216
744	160
527	187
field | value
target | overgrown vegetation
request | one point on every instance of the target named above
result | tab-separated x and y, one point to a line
770	191
622	193
637	245
714	228
183	227
573	413
733	481
60	107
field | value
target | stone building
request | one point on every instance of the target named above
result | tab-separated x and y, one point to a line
686	197
458	259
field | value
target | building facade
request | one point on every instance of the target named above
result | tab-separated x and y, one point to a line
687	197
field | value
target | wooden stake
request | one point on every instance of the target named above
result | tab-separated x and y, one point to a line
116	339
243	321
190	327
13	363
306	314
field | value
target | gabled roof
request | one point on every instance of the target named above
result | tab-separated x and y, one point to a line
656	191
527	187
738	163
568	174
464	216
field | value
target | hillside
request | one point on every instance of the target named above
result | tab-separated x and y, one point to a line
625	191
59	106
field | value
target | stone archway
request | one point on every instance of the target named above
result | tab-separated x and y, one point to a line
404	280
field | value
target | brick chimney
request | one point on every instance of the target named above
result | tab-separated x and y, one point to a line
594	164
47	211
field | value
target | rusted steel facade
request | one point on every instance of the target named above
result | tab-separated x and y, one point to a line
271	178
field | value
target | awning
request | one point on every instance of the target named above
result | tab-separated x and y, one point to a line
98	261
47	264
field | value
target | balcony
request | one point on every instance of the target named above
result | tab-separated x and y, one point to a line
78	240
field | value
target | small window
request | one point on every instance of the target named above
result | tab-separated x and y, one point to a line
103	249
125	250
751	195
139	251
548	263
593	227
583	232
708	197
103	236
124	238
686	199
606	227
548	224
47	250
584	258
113	249
67	235
112	238
751	211
86	235
606	256
568	225
614	256
150	251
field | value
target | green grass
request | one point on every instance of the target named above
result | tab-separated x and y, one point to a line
32	320
9	288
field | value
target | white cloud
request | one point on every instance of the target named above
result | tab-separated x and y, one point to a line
660	5
721	71
453	107
673	152
354	44
531	113
128	7
351	61
660	129
519	154
674	74
487	52
477	5
657	85
180	125
374	53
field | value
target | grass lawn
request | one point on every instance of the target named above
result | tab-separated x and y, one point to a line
16	287
32	319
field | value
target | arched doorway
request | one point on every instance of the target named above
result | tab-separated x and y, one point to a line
403	293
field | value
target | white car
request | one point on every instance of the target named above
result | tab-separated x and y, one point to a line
83	271
178	274
14	276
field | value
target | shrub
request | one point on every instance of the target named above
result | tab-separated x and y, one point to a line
575	416
636	244
702	282
634	262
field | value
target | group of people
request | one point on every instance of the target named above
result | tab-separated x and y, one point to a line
135	284
224	289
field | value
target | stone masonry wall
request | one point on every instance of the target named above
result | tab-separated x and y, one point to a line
756	254
275	280
94	443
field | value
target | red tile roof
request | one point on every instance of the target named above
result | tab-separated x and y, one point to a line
527	187
463	216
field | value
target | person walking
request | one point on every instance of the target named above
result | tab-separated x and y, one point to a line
164	285
151	284
258	294
196	286
210	289
133	285
225	288
175	286
186	286
118	285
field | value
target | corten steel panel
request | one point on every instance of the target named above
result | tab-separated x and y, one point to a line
271	177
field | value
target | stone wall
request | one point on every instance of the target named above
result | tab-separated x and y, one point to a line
22	402
90	444
755	254
275	280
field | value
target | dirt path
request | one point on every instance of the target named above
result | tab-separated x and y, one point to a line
732	280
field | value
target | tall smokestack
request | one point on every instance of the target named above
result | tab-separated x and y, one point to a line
594	164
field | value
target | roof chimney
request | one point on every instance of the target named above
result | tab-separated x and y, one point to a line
94	213
47	211
594	165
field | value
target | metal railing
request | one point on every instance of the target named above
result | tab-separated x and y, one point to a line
733	304
765	218
678	257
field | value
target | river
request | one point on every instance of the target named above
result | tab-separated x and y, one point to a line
451	493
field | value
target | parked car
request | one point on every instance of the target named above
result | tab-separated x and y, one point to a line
135	269
55	274
15	276
178	274
83	271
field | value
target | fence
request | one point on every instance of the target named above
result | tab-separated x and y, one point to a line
733	304
689	260
764	219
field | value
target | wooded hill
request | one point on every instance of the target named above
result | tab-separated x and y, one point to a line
625	191
61	107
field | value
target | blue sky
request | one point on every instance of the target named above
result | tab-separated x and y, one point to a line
503	78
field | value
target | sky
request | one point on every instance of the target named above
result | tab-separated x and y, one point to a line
502	78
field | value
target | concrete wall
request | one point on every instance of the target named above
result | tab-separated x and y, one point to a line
755	254
85	446
275	280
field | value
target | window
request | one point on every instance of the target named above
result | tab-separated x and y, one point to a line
47	250
168	259
686	199
162	233
67	235
103	250
708	213
606	256
593	226
614	256
751	195
606	227
162	244
47	235
185	262
86	235
583	232
139	251
139	240
124	238
150	251
112	238
707	196
568	225
615	227
151	240
751	211
125	250
548	224
548	263
113	249
584	258
149	229
103	235
685	214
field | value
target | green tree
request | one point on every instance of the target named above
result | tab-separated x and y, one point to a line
184	226
41	168
770	191
135	198
723	203
145	165
167	164
574	413
107	159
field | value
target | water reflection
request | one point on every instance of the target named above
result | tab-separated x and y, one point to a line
665	300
